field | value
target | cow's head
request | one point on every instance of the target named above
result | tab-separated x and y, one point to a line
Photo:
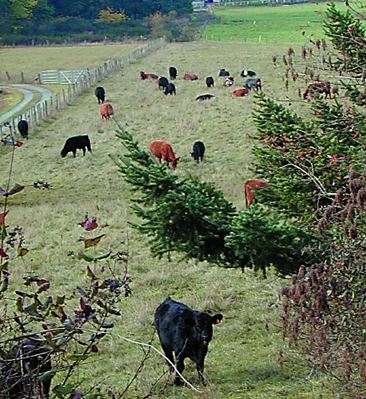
203	323
175	163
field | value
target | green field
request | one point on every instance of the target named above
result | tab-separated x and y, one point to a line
242	359
282	24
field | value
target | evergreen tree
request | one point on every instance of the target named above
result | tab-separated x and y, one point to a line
194	219
347	34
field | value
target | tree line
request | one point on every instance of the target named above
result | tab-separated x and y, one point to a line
49	18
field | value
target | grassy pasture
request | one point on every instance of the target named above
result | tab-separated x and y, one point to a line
241	362
9	98
282	24
31	60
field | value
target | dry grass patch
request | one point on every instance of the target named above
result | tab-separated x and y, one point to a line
32	60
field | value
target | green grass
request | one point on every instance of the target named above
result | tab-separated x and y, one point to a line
32	60
282	24
241	362
8	99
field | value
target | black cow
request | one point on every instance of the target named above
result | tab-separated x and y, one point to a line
81	142
203	97
21	368
223	72
244	73
163	82
100	94
185	332
173	73
253	84
23	128
210	81
170	89
198	151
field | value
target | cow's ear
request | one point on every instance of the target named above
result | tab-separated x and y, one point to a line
217	318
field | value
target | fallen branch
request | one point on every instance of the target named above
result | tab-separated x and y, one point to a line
161	354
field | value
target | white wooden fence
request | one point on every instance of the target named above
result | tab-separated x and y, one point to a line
48	108
61	77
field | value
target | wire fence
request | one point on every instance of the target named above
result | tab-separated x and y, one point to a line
46	109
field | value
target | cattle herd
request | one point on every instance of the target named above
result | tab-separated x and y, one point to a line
183	332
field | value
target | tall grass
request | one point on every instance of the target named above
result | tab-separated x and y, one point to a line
242	359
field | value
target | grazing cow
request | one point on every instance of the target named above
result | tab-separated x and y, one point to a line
198	151
185	332
317	88
21	369
170	89
210	81
244	73
23	128
173	73
240	91
255	84
248	186
106	110
229	81
163	151
149	76
73	143
100	94
223	72
204	97
190	76
162	82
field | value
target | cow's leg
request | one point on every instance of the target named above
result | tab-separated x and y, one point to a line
200	365
200	368
84	150
180	367
169	354
74	152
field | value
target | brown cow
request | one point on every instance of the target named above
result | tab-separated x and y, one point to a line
106	110
240	91
163	150
317	88
248	186
190	76
149	76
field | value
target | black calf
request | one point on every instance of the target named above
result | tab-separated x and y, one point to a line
163	82
198	151
253	84
173	73
185	332
21	368
81	142
244	73
100	94
203	97
210	81
170	89
223	72
23	128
